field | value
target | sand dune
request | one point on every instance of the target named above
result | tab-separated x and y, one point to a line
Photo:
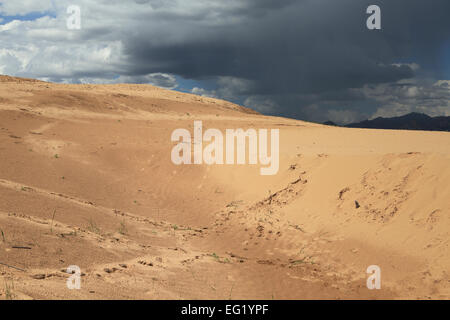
86	179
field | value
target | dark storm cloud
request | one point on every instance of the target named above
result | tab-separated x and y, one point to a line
309	46
297	48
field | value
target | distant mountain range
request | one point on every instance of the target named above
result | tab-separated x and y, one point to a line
411	121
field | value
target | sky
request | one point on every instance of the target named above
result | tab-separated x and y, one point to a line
314	60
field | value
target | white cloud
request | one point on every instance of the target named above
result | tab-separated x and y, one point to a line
204	93
413	66
44	48
261	104
229	88
442	83
402	98
23	7
162	80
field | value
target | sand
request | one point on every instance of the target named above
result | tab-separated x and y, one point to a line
86	179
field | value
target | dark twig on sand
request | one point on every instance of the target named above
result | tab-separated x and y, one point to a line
7	265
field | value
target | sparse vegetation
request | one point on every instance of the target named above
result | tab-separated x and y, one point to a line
9	290
296	227
301	261
3	235
231	291
56	156
123	228
235	204
306	259
219	259
92	227
53	218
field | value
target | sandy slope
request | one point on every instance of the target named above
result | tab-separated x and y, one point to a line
86	179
